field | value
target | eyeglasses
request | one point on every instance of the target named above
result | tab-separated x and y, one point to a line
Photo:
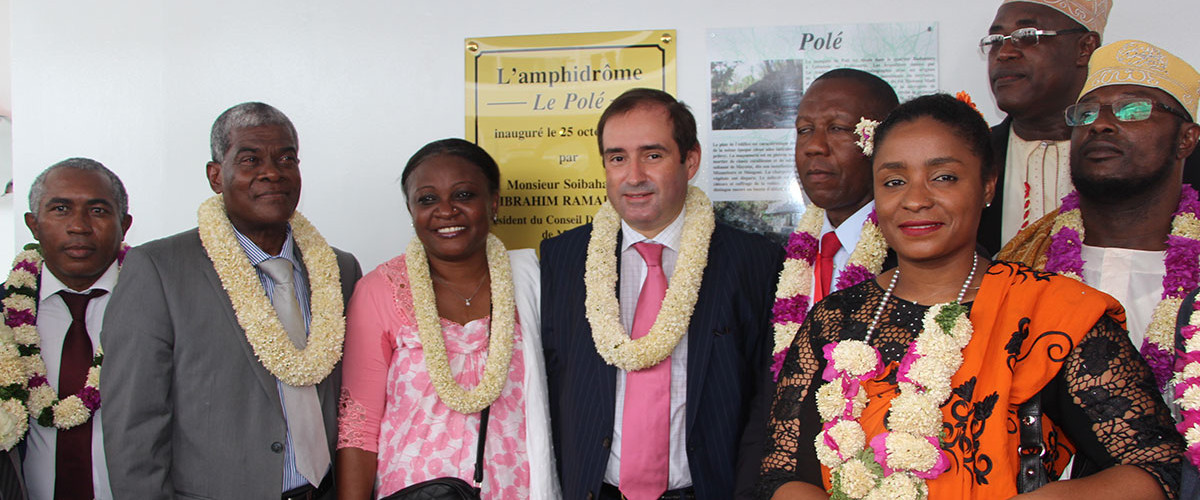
1125	110
1021	38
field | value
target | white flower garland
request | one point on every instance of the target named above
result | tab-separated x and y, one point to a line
254	311
895	463
24	388
603	311
796	277
433	343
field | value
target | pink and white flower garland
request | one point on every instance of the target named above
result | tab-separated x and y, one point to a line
24	387
1187	386
793	294
1064	256
895	463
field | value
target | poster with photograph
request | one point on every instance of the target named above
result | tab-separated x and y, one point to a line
533	103
758	78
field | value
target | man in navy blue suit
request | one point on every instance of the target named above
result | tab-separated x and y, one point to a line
656	324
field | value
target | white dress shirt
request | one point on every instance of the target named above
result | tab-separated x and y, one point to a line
848	234
1133	277
53	320
633	274
1046	166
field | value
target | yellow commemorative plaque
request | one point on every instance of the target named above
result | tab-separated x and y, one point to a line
533	103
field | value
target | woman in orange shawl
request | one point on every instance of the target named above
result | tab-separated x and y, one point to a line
885	396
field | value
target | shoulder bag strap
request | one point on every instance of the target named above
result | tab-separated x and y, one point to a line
1032	474
483	424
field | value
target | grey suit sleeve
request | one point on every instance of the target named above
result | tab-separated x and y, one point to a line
136	382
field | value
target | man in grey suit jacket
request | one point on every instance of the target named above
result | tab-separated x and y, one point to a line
204	395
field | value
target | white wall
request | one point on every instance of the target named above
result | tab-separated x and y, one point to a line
7	221
136	84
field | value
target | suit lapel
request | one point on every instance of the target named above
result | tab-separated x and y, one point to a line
608	373
265	378
324	388
699	337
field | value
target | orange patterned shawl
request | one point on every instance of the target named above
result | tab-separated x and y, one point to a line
1026	323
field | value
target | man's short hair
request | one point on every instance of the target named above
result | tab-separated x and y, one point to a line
37	191
244	115
879	88
682	121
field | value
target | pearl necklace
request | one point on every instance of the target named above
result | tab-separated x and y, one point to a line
892	286
898	462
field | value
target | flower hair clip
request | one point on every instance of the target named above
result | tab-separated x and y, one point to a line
865	130
963	96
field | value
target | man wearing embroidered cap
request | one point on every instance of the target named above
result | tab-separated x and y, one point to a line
1130	227
223	343
1037	53
653	381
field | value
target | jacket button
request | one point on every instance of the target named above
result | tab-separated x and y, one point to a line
606	443
277	447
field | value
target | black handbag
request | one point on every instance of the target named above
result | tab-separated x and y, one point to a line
450	488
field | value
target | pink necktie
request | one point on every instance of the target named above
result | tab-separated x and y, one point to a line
646	419
829	247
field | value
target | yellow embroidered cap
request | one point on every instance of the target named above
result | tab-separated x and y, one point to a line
1134	62
1092	14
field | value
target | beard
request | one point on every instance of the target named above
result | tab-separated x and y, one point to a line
1115	190
1108	189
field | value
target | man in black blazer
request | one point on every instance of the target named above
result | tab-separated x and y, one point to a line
718	370
1034	79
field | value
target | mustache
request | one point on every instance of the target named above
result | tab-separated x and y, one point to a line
639	187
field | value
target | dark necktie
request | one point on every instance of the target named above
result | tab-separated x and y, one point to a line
73	450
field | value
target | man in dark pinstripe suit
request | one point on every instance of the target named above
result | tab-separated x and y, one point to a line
718	369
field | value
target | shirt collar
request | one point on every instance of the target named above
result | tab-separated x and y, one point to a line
50	284
257	255
668	237
1013	138
851	229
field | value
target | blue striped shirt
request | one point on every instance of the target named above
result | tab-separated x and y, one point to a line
291	477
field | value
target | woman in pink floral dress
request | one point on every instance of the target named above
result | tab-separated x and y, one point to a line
412	389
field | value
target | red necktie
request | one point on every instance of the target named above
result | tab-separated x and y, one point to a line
646	423
829	246
73	448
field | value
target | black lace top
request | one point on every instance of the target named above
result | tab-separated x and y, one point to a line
1103	397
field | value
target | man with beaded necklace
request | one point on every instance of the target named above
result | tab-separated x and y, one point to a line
79	213
660	412
224	342
1130	228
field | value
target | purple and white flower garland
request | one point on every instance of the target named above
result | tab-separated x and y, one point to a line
24	387
1187	386
793	294
1064	256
